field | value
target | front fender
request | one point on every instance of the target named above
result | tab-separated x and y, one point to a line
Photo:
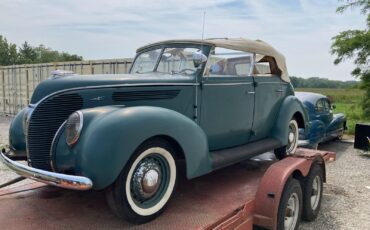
17	138
290	107
111	135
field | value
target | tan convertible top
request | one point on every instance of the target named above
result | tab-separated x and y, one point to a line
242	44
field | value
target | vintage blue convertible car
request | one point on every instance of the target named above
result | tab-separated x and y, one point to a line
324	124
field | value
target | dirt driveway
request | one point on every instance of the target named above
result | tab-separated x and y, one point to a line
346	199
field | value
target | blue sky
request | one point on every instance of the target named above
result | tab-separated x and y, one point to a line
300	29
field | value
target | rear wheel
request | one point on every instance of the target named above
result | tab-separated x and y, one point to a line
290	207
312	193
145	185
291	147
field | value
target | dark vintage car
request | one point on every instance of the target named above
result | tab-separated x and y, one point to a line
324	125
212	103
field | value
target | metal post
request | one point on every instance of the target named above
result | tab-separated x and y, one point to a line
3	78
27	87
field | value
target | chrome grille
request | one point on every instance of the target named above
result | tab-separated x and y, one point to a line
45	121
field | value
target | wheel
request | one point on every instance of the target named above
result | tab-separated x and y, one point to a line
290	207
293	136
145	185
312	193
341	133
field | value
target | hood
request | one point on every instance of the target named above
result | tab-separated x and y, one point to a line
53	85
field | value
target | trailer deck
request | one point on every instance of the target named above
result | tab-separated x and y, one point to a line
233	197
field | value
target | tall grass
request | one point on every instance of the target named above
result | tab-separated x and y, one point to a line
347	101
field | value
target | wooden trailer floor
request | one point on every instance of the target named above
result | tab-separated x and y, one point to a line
200	203
196	203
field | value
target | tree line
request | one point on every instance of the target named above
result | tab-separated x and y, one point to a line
355	44
11	54
316	82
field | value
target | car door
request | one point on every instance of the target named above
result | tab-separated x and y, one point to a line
227	99
269	95
324	113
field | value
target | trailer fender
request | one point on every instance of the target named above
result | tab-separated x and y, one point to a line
272	185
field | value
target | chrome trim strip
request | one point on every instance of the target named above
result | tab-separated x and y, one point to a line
265	83
237	83
51	178
56	136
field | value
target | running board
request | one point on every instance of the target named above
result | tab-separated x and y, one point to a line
226	157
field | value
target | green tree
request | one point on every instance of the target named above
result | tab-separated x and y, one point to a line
13	55
355	44
27	54
8	52
45	54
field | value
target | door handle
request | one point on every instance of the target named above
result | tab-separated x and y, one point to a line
279	90
251	92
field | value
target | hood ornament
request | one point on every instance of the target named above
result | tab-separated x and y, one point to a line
60	73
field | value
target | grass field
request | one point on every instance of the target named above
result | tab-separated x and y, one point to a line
347	101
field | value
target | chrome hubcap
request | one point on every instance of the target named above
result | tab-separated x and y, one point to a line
291	212
150	181
146	179
316	190
292	138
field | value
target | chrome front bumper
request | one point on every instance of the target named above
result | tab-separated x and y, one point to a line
52	178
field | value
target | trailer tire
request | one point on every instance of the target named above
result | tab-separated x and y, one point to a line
290	206
312	193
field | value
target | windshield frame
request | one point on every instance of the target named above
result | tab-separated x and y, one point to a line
205	50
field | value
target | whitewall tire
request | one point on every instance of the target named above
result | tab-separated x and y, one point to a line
293	136
146	183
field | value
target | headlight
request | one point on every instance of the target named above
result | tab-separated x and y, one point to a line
26	118
73	128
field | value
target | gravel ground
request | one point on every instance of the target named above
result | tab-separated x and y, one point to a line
346	196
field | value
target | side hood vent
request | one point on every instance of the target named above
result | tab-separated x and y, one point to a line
145	95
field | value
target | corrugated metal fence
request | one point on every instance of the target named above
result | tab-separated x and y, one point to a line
18	82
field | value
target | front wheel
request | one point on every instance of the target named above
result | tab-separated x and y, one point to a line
145	185
293	136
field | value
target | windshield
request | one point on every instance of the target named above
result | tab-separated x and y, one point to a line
173	60
146	61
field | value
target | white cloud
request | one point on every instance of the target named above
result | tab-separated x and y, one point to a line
301	30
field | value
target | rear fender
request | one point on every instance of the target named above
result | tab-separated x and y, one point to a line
290	106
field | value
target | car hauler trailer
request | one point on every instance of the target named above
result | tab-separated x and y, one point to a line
269	194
